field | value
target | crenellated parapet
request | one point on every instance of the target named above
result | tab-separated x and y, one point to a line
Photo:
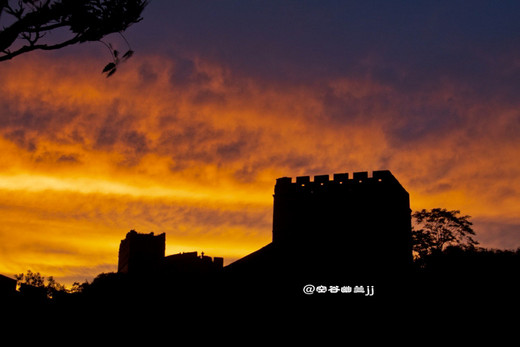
338	181
358	221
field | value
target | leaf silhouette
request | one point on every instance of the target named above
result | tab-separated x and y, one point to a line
109	66
111	72
128	54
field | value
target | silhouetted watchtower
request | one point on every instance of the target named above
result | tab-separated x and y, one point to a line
141	253
348	228
357	223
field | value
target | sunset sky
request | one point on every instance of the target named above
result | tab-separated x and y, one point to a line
223	97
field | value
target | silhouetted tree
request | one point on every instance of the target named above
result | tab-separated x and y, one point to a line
30	278
54	287
34	279
78	287
438	228
86	20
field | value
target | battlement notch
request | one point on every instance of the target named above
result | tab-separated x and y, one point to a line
304	183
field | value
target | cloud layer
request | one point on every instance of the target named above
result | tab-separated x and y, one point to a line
189	136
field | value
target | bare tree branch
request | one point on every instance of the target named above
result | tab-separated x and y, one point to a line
87	20
10	55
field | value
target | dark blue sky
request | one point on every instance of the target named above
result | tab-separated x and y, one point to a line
409	44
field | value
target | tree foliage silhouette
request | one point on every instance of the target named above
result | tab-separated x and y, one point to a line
34	279
31	21
438	228
31	278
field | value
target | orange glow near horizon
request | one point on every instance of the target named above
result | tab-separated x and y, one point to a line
84	159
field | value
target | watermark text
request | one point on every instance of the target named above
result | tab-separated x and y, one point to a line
311	289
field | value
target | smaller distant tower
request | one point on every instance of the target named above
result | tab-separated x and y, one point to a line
141	253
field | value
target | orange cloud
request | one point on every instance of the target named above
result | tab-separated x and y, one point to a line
187	148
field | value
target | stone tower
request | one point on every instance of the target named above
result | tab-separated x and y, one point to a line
141	253
360	224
